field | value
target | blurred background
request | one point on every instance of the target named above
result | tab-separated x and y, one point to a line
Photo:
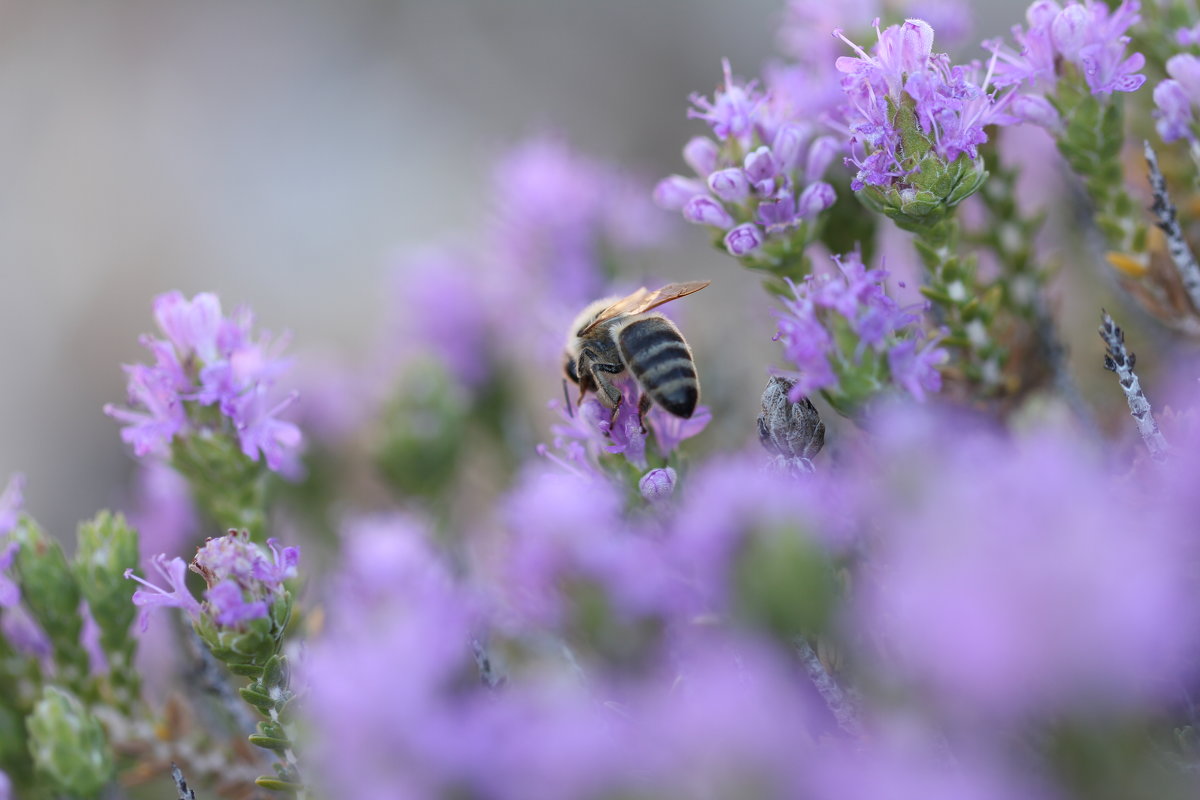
284	154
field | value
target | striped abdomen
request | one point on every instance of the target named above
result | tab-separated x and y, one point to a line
655	352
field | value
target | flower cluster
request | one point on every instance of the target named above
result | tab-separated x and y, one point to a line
1088	37
1176	99
911	114
208	363
760	180
243	581
847	338
589	432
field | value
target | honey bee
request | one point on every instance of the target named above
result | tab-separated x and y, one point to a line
615	334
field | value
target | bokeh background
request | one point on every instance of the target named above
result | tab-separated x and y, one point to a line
285	153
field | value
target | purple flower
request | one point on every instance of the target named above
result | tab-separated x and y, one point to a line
234	557
10	593
916	371
10	503
853	300
1010	572
174	572
766	155
952	104
670	431
703	210
744	239
207	359
701	154
260	431
1088	35
162	509
673	193
1177	97
730	185
558	217
732	111
25	635
393	609
89	639
229	607
657	484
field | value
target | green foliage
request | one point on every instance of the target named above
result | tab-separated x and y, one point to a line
68	744
785	583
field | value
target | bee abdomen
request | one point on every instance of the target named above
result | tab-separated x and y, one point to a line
661	361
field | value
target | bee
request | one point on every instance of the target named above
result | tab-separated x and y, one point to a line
615	334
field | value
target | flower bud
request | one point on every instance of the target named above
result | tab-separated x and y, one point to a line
703	210
761	165
789	145
1037	110
821	154
68	744
673	193
730	185
743	240
814	199
701	155
657	484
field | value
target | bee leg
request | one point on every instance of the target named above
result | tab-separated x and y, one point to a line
606	392
643	407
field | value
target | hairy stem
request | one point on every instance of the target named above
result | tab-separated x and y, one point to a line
1120	360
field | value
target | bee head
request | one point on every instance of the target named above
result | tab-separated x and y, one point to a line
570	368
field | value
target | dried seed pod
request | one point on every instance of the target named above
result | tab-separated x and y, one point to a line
791	431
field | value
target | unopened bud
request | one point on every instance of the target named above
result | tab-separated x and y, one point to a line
657	484
792	431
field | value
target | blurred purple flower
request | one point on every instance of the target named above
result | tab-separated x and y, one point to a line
11	500
1177	97
852	299
384	673
230	608
551	548
162	510
442	310
1088	35
25	635
1020	580
89	639
10	593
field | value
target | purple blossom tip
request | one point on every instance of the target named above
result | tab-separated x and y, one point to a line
657	485
744	239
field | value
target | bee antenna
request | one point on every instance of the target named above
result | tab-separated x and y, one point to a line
567	398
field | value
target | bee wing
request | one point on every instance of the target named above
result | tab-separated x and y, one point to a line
644	300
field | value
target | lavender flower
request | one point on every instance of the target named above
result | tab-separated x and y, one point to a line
760	182
10	503
207	359
1087	36
10	593
658	484
174	572
910	114
1021	611
845	336
10	508
591	430
244	580
1176	99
